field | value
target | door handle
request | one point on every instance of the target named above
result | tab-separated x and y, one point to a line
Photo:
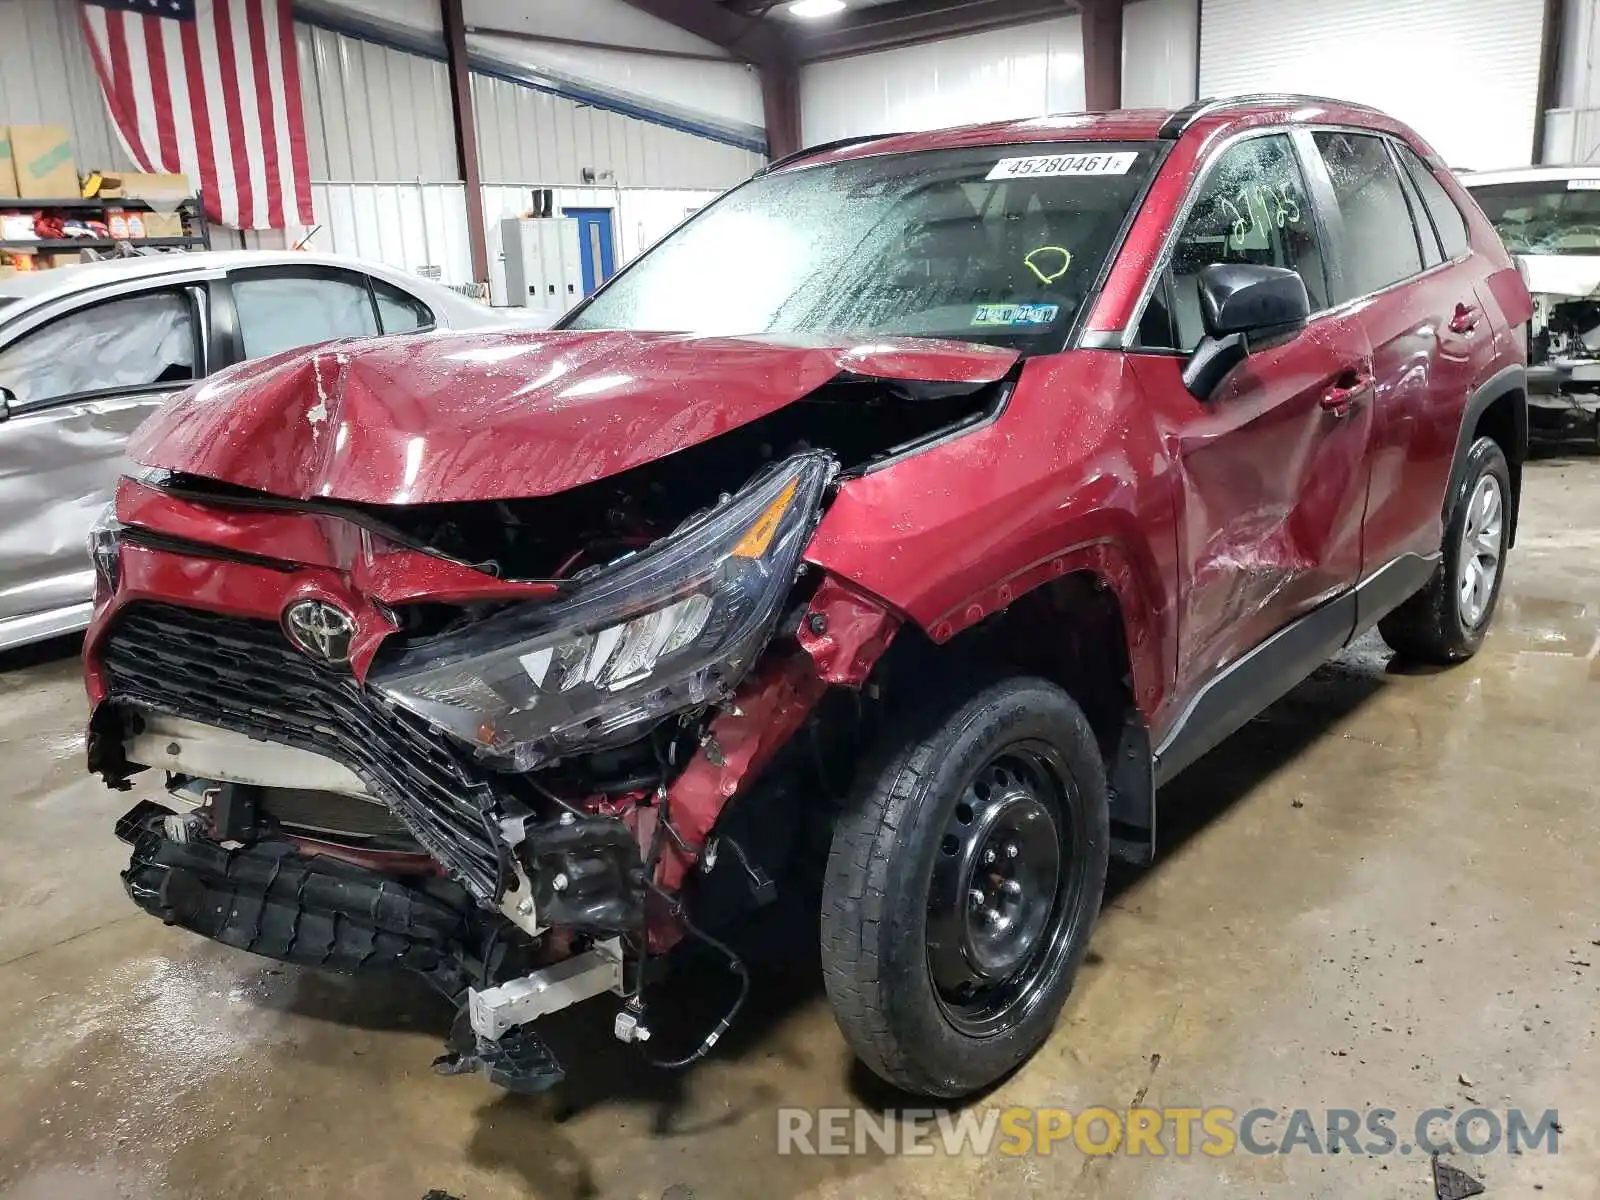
1465	319
1341	397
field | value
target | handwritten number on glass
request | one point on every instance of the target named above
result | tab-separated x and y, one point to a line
1260	207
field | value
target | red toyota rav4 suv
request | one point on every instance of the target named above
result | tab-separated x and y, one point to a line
885	536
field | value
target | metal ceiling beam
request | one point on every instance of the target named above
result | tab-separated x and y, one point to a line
780	103
909	22
753	40
1102	55
546	39
749	38
455	45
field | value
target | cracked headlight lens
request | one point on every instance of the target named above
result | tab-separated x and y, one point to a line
675	626
105	550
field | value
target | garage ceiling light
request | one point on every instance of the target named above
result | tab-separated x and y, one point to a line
811	10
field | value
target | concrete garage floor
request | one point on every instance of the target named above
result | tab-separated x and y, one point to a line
1382	888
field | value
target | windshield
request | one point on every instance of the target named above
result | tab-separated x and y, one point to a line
1554	216
998	244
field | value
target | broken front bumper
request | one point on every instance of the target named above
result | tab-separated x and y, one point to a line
1564	404
272	900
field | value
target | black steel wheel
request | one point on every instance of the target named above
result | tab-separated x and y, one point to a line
962	886
1003	885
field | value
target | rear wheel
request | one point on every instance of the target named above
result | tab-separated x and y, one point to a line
962	885
1446	621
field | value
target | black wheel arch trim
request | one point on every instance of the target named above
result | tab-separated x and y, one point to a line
1508	381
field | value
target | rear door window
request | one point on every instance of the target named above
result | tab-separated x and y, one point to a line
1427	236
1447	218
288	309
130	344
400	311
1380	242
1251	208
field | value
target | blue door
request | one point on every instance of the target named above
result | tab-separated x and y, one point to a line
594	245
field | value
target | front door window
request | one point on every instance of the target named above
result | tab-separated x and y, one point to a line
129	344
1252	208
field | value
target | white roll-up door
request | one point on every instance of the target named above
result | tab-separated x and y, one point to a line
1463	73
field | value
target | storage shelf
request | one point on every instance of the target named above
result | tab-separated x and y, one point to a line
53	245
13	204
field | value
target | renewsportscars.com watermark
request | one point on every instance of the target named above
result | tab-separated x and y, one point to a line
1158	1132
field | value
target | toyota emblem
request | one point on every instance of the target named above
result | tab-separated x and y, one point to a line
321	630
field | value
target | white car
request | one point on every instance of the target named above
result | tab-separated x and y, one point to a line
1549	217
88	352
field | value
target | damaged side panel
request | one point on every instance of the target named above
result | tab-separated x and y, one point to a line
58	467
957	532
1271	498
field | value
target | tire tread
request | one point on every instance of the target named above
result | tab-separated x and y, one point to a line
856	904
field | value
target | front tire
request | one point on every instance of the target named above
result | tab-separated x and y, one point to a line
1446	621
962	885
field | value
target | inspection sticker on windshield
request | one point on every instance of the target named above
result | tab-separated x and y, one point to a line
1040	166
1015	314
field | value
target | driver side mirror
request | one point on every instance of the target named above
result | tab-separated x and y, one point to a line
1245	308
8	401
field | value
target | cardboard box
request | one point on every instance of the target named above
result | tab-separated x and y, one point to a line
49	262
7	270
42	158
163	225
8	174
155	188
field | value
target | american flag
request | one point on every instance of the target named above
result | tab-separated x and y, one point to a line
209	88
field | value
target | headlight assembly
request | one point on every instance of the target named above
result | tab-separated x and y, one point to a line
675	626
105	549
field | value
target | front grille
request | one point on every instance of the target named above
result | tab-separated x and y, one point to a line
245	676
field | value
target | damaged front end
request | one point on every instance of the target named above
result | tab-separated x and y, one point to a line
1564	353
492	743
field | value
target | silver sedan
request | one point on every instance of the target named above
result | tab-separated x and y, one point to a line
88	352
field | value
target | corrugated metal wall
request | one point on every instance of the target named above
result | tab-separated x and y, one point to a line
416	225
728	91
374	114
529	134
46	78
1023	71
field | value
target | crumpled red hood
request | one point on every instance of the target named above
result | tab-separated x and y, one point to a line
480	416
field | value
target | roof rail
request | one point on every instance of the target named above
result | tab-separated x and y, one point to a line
823	148
1178	122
